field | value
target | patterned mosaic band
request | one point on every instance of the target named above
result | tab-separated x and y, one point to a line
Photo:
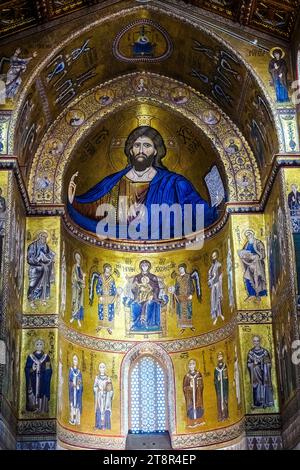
169	346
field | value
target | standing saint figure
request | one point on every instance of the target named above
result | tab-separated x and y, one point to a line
103	392
259	366
221	386
294	201
41	270
230	276
75	392
38	372
193	392
279	71
60	384
63	285
2	213
236	378
215	279
183	292
78	285
2	223
108	295
253	257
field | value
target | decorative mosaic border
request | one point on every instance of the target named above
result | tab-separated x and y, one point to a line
257	316
36	445
208	438
262	422
37	321
36	427
89	441
264	442
187	441
172	346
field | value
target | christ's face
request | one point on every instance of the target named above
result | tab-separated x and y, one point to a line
142	153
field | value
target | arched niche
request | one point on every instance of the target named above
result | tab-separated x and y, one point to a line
158	353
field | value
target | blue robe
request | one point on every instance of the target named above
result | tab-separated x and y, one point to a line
106	287
38	392
75	399
248	284
41	271
165	188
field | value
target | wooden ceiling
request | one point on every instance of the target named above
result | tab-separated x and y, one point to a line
276	17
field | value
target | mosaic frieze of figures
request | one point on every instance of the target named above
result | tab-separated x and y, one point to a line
209	387
165	296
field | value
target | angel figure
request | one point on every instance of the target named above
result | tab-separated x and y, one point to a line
186	284
108	295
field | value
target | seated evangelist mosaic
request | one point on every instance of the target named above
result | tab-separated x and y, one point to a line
144	200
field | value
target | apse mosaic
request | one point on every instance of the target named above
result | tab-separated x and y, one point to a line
111	335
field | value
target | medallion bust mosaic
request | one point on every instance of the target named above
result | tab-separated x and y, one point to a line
141	195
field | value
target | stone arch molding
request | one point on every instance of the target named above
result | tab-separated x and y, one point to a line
46	176
157	352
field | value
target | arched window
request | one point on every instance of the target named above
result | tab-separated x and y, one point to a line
147	397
